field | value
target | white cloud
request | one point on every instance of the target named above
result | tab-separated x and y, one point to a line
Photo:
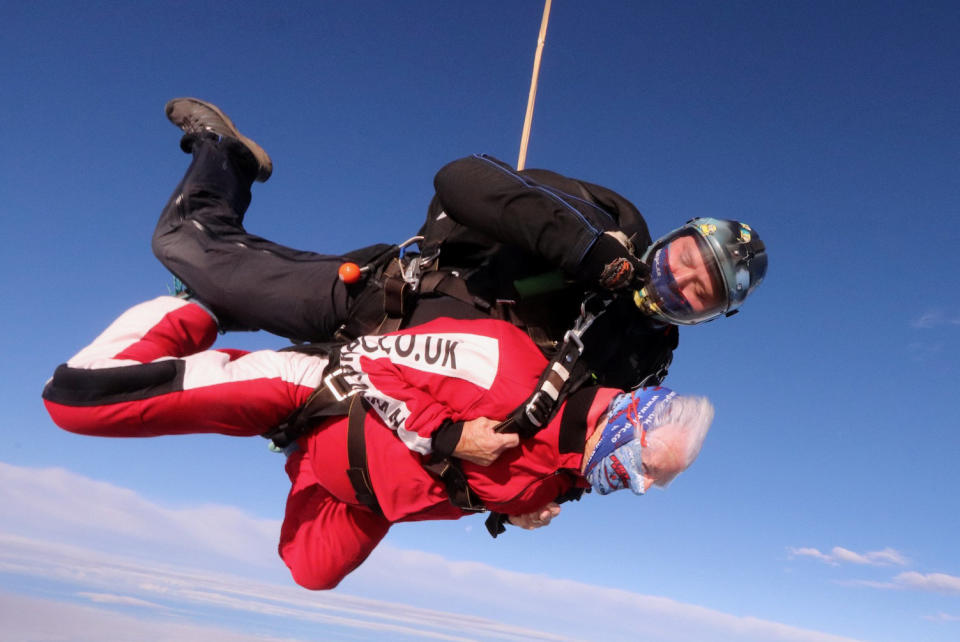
544	598
29	618
885	557
156	587
54	500
167	594
927	320
868	583
109	598
888	556
811	552
934	582
843	555
912	580
934	318
942	617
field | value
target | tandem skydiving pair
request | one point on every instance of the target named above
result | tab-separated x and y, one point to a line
384	451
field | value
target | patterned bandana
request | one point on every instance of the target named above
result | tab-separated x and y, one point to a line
615	461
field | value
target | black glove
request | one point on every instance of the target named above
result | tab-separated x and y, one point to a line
612	264
495	524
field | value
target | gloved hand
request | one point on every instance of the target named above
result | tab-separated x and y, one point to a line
612	263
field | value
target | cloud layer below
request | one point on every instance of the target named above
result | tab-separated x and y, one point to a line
104	554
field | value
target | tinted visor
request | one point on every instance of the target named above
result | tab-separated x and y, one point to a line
685	281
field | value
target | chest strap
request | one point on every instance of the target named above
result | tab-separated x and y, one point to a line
564	374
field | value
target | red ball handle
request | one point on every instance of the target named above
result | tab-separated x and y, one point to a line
349	272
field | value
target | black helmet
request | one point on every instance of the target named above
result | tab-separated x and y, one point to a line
730	252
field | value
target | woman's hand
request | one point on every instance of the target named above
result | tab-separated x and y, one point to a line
537	518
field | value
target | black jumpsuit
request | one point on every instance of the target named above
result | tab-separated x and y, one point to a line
513	224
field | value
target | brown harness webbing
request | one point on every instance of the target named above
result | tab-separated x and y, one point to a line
359	472
458	491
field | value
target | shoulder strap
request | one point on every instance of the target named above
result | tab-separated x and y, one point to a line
563	375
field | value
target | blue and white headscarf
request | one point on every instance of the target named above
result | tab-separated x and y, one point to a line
615	462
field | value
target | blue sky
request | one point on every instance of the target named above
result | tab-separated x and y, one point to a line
824	504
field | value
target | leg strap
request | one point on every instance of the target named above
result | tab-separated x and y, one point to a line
359	473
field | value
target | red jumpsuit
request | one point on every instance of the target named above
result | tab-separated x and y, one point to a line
151	373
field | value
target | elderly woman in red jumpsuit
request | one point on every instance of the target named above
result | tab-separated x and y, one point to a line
153	372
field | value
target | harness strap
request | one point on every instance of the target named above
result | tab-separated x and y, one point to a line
395	290
396	298
564	374
330	398
458	490
334	396
372	299
359	472
392	288
453	286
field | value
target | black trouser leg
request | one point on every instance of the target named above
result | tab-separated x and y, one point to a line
246	280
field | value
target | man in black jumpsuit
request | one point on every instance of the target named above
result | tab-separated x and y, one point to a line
516	225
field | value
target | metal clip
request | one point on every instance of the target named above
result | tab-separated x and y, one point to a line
410	269
573	335
528	410
583	323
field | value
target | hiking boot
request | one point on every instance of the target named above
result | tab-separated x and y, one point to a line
195	116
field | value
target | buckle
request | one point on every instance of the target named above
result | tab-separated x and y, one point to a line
573	336
336	386
534	407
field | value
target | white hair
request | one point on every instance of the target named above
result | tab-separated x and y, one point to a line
678	429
